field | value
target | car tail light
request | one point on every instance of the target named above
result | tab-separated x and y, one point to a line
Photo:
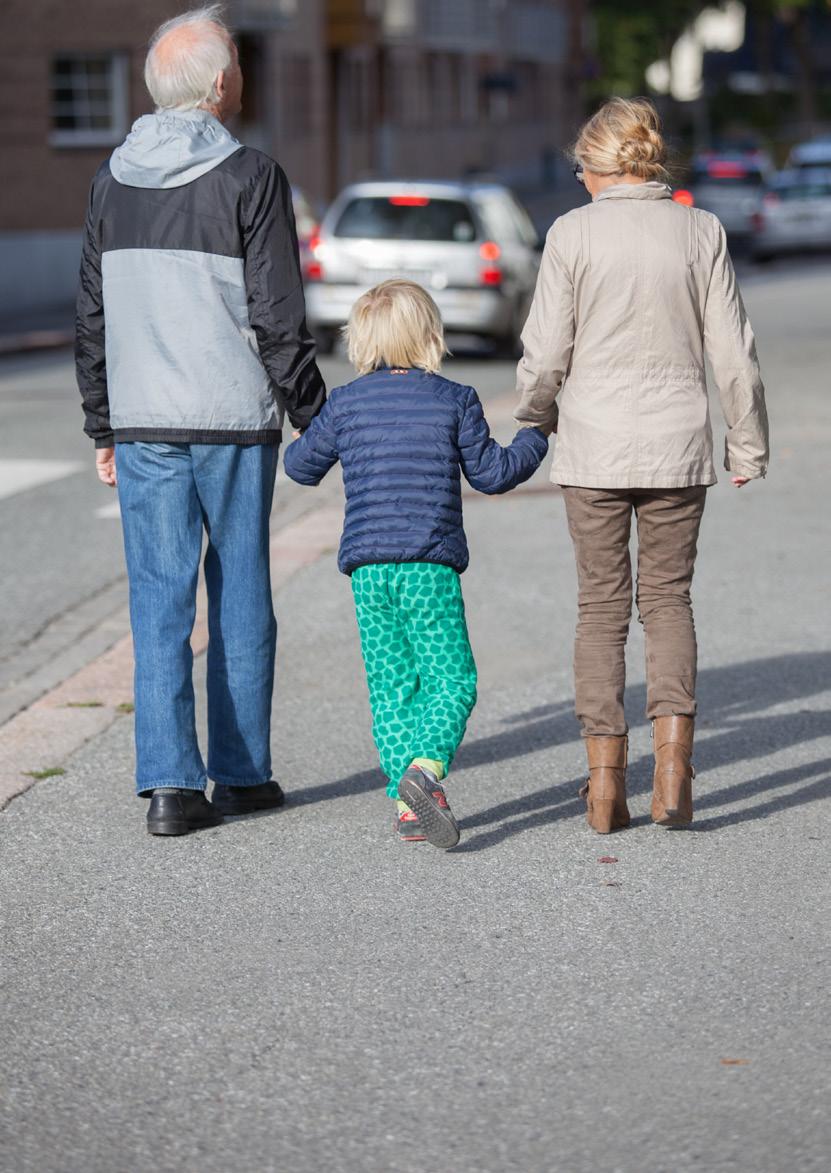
314	269
757	222
726	169
409	201
491	274
682	196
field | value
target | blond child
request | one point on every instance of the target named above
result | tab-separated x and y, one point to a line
404	436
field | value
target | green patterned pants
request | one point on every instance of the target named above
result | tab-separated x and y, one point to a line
419	666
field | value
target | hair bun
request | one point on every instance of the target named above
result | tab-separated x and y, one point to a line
623	138
641	151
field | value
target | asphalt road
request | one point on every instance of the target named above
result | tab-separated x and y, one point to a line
299	992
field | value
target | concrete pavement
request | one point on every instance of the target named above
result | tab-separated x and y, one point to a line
299	992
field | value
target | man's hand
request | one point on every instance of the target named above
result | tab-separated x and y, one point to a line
105	466
740	481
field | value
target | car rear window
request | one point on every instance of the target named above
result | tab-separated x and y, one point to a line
728	172
406	217
804	191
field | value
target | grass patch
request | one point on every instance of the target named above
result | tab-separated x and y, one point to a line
49	772
84	705
125	707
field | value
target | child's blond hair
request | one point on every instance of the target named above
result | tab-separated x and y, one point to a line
395	324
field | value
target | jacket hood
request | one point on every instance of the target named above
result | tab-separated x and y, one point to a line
171	148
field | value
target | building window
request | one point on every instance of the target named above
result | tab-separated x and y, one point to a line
89	100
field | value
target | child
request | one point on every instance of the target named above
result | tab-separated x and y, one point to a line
404	435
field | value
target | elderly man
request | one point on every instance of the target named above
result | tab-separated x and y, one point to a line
191	346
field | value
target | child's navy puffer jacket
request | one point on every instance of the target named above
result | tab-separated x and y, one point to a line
403	440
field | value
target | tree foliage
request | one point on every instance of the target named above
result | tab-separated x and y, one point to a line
631	36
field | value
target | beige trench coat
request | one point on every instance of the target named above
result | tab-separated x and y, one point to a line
632	290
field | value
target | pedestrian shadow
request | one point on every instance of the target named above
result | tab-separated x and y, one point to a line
731	700
733	697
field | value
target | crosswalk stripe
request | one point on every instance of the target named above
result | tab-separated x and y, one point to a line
19	476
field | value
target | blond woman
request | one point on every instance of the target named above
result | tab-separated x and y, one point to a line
633	290
404	435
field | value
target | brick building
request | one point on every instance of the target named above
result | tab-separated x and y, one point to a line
334	89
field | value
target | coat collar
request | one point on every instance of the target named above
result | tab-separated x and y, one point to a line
653	190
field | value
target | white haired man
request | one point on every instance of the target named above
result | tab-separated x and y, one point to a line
191	346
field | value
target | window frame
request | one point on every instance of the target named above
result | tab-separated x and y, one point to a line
119	97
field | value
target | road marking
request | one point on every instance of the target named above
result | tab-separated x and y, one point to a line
18	476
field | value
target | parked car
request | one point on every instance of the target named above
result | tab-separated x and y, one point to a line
730	185
795	214
471	244
806	156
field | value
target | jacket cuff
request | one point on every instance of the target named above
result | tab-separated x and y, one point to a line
752	471
539	441
105	441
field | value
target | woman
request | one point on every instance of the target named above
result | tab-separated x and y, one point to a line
633	289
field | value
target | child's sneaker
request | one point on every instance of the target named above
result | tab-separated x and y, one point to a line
424	795
407	825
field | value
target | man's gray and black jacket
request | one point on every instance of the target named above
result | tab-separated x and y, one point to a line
191	321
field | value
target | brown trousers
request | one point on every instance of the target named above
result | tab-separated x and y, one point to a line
599	522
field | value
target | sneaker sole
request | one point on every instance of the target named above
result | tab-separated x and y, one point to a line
440	828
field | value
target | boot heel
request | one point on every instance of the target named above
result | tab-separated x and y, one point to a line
601	815
677	810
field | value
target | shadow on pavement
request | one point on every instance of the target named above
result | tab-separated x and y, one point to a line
732	698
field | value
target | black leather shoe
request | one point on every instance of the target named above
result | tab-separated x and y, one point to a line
244	800
175	812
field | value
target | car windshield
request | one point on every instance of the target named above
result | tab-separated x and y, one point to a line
406	217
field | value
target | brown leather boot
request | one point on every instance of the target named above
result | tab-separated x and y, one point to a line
672	782
605	791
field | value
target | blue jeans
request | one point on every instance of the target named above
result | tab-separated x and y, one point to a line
169	494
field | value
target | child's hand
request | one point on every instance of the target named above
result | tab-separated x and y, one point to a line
739	481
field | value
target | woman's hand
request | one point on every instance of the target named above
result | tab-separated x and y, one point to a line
739	481
105	466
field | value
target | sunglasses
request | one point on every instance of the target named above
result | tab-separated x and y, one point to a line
577	171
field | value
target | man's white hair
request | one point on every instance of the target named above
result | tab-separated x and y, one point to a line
185	79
